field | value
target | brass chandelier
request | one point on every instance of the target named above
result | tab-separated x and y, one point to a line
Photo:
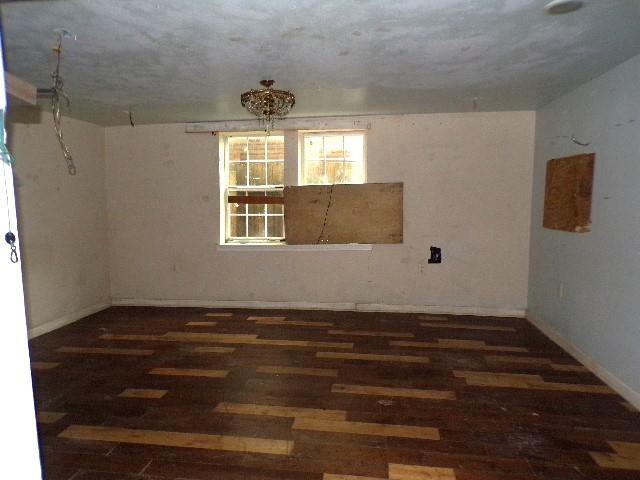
268	103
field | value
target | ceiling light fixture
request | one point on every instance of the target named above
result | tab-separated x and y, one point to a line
268	103
560	7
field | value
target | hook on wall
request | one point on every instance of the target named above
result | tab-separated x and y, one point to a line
575	140
582	144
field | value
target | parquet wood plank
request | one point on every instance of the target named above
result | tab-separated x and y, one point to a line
462	326
293	323
613	461
258	317
417	472
626	449
563	367
365	428
525	381
280	411
178	439
369	333
393	392
105	351
44	365
238	339
201	324
455	344
189	372
222	350
312	372
49	417
142	393
517	360
334	476
373	357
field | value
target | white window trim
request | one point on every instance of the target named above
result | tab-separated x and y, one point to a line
283	247
301	135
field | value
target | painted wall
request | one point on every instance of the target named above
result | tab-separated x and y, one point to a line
62	220
467	189
599	311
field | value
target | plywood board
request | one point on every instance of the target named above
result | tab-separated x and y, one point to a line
342	214
568	190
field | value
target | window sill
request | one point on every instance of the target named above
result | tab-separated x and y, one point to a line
261	247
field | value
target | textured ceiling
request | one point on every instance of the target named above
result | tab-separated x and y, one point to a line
189	60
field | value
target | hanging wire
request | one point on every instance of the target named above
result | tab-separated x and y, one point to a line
9	237
58	94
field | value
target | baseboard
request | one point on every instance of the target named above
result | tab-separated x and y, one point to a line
588	361
443	310
140	302
343	306
66	319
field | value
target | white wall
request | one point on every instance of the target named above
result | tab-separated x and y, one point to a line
62	221
467	189
600	310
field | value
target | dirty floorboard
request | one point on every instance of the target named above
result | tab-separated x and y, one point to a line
198	394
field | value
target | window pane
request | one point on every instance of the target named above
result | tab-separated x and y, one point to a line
313	147
336	172
256	226
333	158
275	227
276	208
333	147
257	174
314	171
354	172
237	149
257	209
275	173
237	208
256	148
354	148
275	148
237	174
237	227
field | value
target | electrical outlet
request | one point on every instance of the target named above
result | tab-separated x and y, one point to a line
561	290
420	267
436	255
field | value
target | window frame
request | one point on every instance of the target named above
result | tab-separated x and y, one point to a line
224	170
326	133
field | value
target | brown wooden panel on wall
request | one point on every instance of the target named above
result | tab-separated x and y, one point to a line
567	197
340	214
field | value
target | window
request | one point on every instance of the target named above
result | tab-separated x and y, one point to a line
252	177
333	157
254	169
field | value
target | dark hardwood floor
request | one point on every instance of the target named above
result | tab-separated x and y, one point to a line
188	393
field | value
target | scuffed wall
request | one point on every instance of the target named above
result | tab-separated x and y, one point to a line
585	286
62	219
467	181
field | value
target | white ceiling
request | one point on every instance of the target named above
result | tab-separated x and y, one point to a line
189	60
